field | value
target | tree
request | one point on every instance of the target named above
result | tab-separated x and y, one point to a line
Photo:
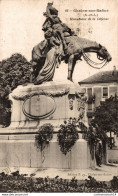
14	71
106	117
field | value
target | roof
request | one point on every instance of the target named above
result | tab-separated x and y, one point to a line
102	77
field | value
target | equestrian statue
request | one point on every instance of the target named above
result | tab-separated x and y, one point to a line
62	44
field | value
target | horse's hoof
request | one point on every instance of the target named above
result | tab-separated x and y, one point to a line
70	79
35	83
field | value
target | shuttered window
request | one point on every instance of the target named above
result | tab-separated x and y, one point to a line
89	92
105	92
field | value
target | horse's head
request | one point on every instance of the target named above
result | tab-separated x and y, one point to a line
103	54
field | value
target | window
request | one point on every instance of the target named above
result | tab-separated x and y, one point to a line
90	98
105	92
89	92
89	107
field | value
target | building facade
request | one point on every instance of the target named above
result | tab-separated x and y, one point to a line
99	87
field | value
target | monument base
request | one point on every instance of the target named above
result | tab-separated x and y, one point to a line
18	152
33	106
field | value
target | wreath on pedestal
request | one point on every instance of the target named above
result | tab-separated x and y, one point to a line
44	135
67	136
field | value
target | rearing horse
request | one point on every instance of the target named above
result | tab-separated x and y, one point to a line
77	47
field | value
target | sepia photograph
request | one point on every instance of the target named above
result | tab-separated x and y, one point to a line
58	96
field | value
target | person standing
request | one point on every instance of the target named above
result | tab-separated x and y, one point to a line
98	152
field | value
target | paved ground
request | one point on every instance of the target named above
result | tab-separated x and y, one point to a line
104	173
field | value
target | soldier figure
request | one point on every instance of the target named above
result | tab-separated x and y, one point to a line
53	27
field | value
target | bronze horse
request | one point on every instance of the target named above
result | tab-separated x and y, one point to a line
45	59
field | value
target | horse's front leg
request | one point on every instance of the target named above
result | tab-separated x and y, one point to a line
70	67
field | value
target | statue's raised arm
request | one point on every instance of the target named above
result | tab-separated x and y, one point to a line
51	12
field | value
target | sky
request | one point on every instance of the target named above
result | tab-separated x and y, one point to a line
21	29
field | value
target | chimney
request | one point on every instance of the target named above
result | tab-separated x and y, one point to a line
114	73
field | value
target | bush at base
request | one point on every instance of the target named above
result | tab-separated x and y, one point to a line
16	182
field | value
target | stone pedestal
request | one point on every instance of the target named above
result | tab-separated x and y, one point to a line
47	103
33	106
23	153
